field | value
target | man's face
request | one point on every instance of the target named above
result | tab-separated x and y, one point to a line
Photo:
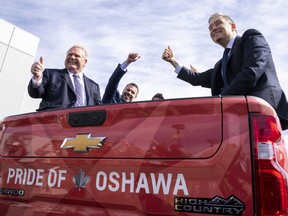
75	60
129	93
221	31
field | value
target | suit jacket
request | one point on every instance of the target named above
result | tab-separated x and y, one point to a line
57	91
111	94
250	71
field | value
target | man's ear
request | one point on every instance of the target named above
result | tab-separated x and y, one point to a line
85	62
233	25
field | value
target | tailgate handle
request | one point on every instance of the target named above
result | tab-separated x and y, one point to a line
88	118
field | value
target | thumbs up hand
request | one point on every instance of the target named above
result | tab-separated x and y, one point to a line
37	68
168	56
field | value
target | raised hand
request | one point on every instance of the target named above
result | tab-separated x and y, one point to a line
37	68
132	57
193	69
168	56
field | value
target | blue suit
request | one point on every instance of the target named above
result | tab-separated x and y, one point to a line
250	71
111	94
57	91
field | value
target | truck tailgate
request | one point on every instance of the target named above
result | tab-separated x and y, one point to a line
166	157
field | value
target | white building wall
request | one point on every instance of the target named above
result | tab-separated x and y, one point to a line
17	53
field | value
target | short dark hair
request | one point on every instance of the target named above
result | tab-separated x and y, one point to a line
158	95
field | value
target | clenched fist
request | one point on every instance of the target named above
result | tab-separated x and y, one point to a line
132	57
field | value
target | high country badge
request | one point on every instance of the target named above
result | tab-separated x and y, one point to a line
216	205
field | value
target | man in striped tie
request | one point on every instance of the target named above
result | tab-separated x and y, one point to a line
63	88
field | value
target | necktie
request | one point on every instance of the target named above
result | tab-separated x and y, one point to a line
79	91
224	66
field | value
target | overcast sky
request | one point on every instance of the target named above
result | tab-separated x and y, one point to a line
110	29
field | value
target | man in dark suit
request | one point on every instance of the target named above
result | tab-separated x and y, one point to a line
249	69
131	90
63	88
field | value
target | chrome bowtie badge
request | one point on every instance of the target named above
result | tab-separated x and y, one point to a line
83	142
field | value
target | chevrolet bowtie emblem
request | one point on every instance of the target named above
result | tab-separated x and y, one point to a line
83	142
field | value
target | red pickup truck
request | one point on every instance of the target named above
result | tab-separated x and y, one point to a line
192	156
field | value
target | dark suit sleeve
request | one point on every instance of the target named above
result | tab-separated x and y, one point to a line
39	91
195	78
93	94
251	61
33	91
110	93
56	90
97	96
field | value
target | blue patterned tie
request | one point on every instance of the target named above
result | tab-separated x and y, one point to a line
224	66
78	90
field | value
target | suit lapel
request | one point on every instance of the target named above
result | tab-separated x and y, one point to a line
233	49
217	81
235	45
66	76
87	87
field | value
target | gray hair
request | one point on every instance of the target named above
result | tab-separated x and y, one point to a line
80	47
226	17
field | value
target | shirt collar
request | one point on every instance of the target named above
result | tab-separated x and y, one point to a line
80	74
230	44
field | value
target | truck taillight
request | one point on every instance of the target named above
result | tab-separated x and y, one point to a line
271	166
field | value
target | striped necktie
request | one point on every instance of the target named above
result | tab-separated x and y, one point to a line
78	90
224	66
